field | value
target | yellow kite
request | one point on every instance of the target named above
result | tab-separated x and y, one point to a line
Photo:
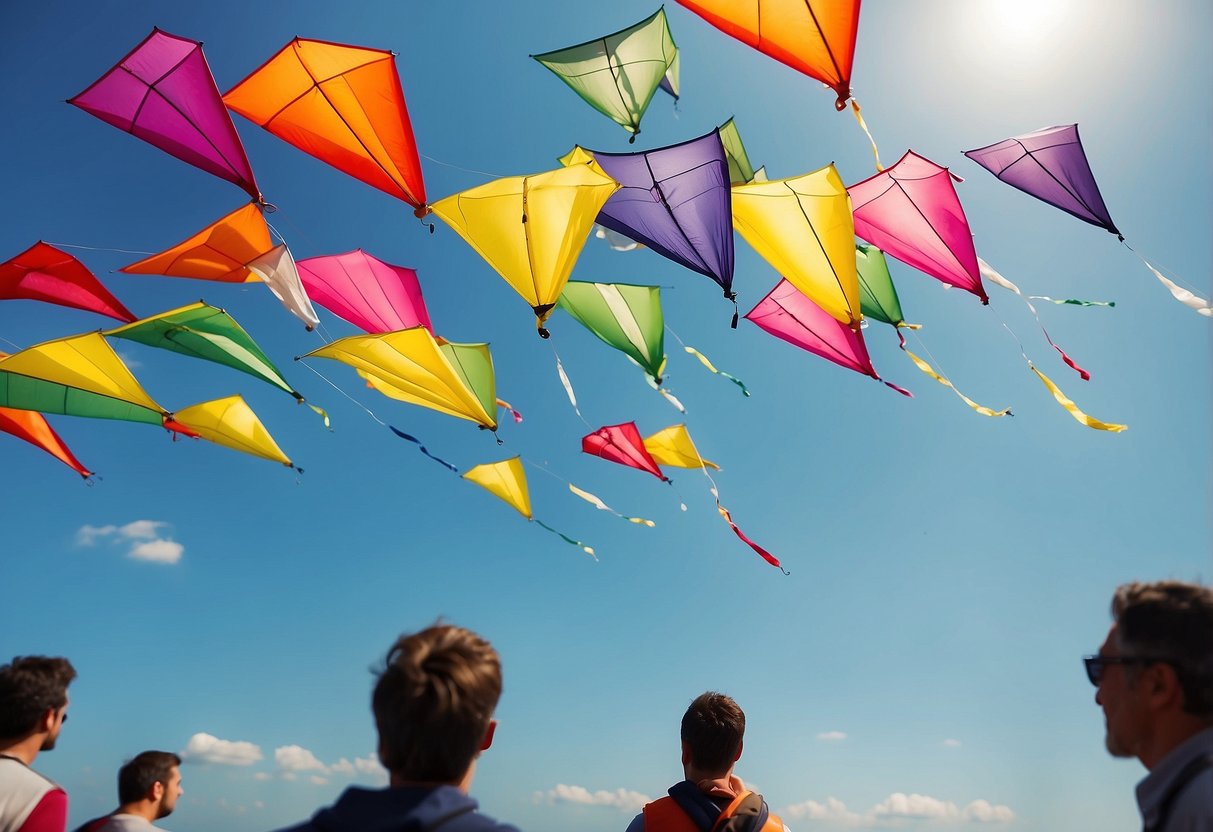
803	227
231	423
673	446
506	480
412	366
531	229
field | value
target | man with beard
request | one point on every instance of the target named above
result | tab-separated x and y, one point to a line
148	788
33	708
1155	678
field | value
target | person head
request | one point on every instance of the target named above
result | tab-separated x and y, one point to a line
434	703
712	732
153	779
33	699
1154	672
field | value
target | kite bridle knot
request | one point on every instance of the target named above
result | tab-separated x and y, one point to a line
543	333
421	212
632	138
264	206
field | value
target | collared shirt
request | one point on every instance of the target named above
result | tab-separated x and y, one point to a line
1192	810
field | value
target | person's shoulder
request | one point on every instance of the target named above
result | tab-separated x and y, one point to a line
637	824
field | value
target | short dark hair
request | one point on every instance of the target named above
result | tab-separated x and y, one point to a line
1171	621
136	778
713	728
29	687
433	702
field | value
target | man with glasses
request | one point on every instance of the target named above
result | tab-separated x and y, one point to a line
33	708
1154	675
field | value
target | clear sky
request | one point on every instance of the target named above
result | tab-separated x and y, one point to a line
919	667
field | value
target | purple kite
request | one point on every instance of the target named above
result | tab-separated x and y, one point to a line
911	211
1050	165
372	295
792	317
163	92
675	200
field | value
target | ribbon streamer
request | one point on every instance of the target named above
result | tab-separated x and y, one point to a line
1072	409
568	387
1073	301
926	368
504	404
761	552
423	449
319	412
859	117
589	551
1181	294
601	506
703	359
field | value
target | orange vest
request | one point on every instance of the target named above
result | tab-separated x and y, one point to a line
665	815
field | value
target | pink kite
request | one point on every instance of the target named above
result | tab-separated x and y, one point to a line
43	272
911	212
163	92
792	317
369	293
622	444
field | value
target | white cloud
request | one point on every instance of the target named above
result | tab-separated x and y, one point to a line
297	758
832	736
142	529
343	766
951	743
898	808
622	799
262	775
369	765
205	748
158	551
87	535
317	780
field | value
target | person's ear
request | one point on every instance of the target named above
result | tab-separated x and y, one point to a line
686	754
488	735
740	746
1162	684
157	792
46	723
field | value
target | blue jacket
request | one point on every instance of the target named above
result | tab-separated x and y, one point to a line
404	809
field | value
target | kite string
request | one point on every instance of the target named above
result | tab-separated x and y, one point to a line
369	412
465	170
1176	278
101	248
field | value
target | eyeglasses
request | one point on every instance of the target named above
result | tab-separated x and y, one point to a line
1096	665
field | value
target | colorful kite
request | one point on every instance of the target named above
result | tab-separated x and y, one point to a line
790	316
622	444
617	74
675	200
220	252
803	228
43	272
34	429
911	211
673	446
410	365
740	169
163	92
344	106
1051	165
811	36
531	229
372	295
877	294
671	82
623	316
232	423
278	272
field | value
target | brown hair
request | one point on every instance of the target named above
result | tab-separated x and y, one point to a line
29	687
136	778
433	702
1171	621
713	728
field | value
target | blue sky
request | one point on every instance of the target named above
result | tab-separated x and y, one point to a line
947	570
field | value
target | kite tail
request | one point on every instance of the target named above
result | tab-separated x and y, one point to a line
926	368
666	394
761	552
904	325
988	272
319	411
601	506
423	449
506	405
1072	409
863	125
1187	298
900	390
568	387
568	539
703	359
1073	301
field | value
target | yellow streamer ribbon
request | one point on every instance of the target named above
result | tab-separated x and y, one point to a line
320	412
926	368
859	117
601	506
1072	408
703	359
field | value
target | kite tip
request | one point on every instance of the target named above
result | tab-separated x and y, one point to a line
544	334
632	138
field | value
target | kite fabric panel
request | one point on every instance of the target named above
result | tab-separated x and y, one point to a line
803	228
790	316
531	229
410	365
76	376
163	92
673	446
671	82
617	74
621	444
1051	165
816	37
278	272
44	273
676	200
220	252
740	169
209	333
341	104
505	480
370	294
626	317
230	422
912	212
877	294
33	428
